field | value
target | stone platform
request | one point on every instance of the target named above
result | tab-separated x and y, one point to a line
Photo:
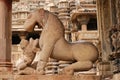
57	77
52	77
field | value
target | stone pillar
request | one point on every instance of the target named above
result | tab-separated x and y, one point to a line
73	36
104	23
5	35
84	27
107	16
83	20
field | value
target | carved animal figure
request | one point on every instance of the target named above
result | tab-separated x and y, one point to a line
29	52
54	45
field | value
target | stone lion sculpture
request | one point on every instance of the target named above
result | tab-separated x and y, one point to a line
29	52
54	45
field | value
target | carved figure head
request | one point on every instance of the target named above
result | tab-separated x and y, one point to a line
23	44
29	46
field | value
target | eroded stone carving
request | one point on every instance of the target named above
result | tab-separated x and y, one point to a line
53	44
29	51
115	47
115	41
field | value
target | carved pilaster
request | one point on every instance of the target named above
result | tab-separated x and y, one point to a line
108	23
5	35
104	24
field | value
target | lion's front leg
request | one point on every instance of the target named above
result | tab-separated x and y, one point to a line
40	67
44	56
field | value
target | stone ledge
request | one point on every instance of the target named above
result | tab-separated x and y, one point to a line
56	77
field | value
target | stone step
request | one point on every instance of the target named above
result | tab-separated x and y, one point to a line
56	77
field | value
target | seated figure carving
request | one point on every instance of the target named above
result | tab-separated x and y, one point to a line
29	52
54	45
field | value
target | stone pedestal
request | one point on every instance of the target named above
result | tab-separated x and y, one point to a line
5	35
105	69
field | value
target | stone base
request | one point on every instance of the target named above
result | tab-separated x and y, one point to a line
6	71
56	77
6	76
5	66
48	77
